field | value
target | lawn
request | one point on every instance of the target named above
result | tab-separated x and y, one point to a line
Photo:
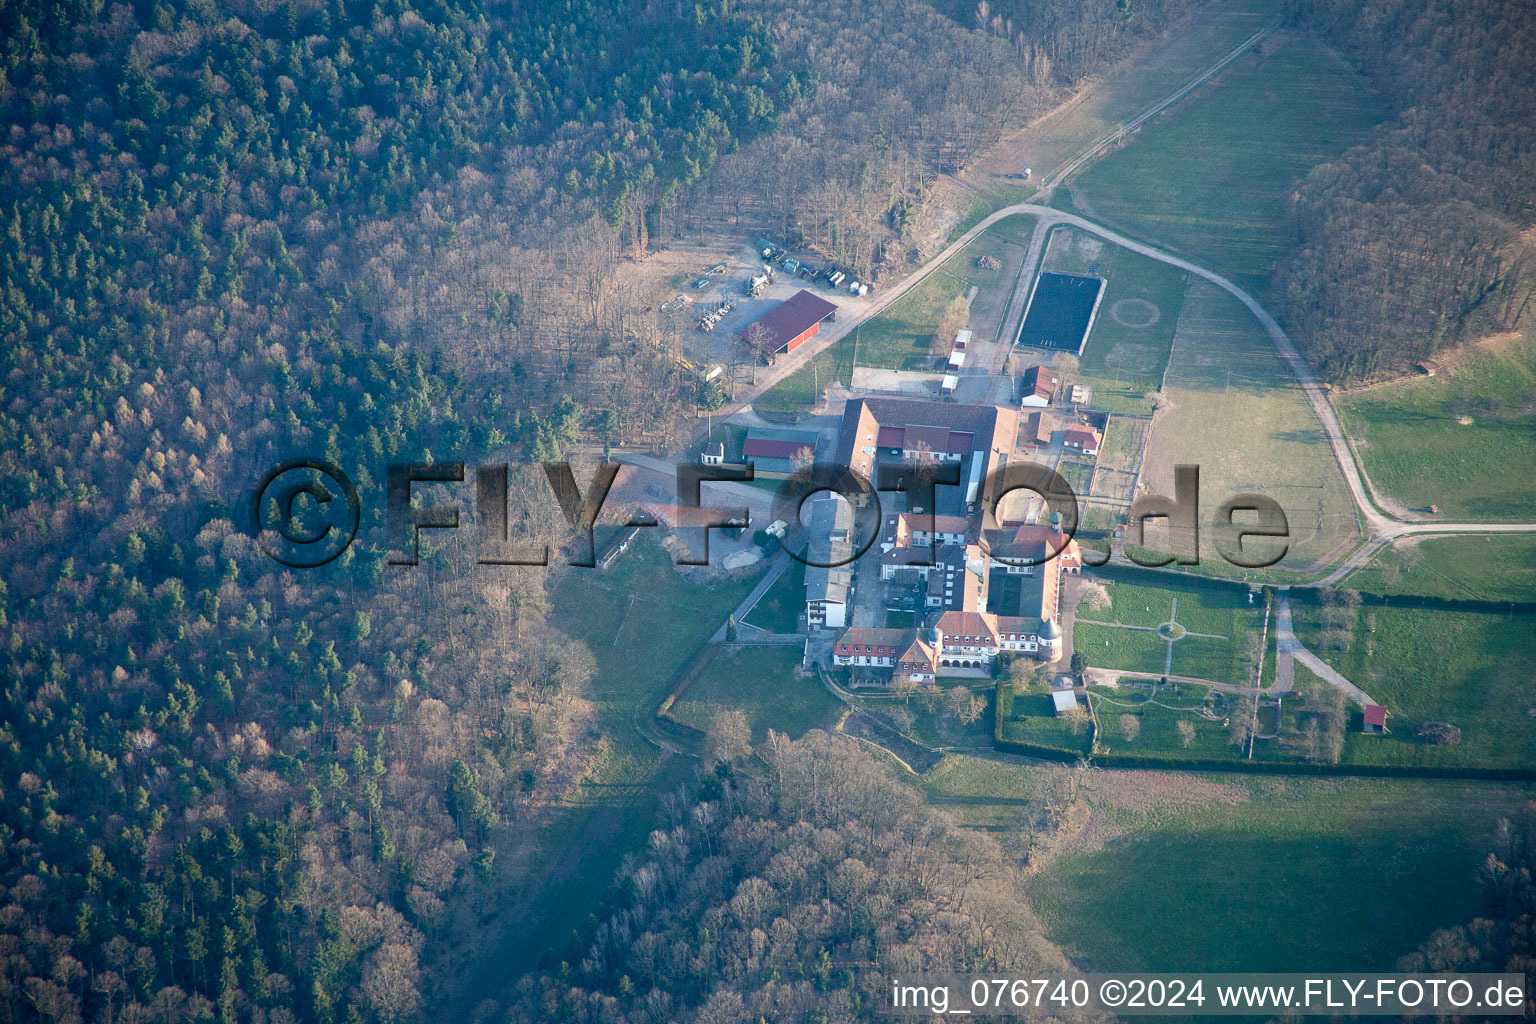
1271	874
981	793
1213	176
1122	443
1491	568
1460	440
1029	718
1233	408
1128	88
1158	724
1134	650
766	684
778	610
1144	599
1471	669
1127	350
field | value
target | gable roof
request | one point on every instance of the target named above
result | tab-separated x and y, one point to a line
764	443
957	623
947	427
1040	382
830	540
790	319
887	642
1080	438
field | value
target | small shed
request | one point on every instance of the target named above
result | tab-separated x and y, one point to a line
949	383
1375	719
1063	701
962	339
956	359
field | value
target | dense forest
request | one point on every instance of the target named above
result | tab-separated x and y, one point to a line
366	232
788	887
1421	238
229	791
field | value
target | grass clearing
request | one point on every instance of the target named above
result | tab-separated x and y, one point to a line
981	793
1470	669
1030	718
1489	568
1288	875
1233	408
766	684
1213	176
1460	440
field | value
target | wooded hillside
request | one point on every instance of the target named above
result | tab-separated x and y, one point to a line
1414	242
790	890
241	232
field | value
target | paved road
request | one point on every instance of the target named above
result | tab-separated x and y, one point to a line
1287	646
1381	527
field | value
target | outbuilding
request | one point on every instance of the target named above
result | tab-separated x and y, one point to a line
787	326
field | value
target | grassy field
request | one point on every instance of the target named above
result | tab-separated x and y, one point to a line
981	793
1234	410
1029	718
1492	568
617	613
1460	440
1129	88
778	610
1221	612
1227	874
1134	650
984	200
764	682
899	337
1213	176
1157	723
1128	348
1471	669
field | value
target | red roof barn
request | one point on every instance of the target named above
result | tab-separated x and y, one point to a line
790	323
1375	718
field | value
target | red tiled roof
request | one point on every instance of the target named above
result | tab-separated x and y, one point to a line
960	442
914	522
935	438
890	437
967	624
1375	714
766	448
1040	381
792	318
1080	438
